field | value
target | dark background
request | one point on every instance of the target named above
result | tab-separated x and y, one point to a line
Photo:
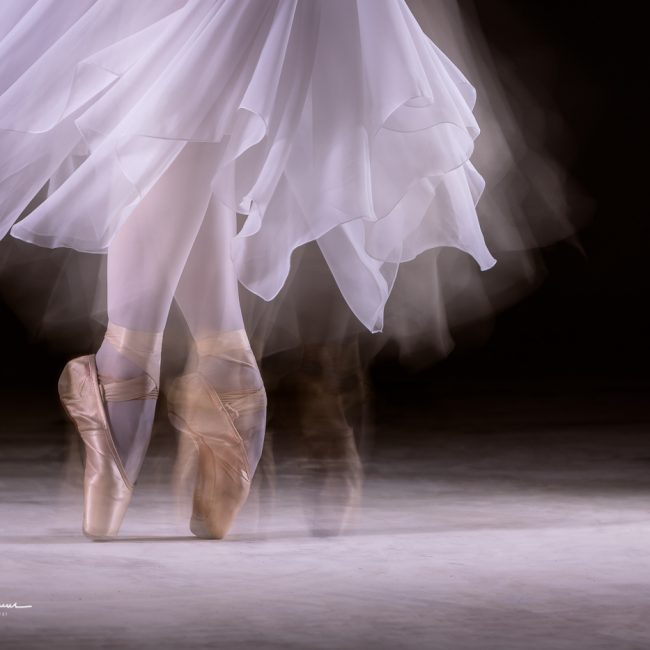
590	316
585	329
580	337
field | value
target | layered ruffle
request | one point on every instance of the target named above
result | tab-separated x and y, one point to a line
339	120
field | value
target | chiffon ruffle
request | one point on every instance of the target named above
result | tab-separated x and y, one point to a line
339	120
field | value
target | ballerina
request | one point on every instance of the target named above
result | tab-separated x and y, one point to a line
333	121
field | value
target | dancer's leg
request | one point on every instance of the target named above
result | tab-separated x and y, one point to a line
208	296
207	291
145	261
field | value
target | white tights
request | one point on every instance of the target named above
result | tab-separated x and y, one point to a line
175	244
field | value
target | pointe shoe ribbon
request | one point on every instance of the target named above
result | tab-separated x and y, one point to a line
118	390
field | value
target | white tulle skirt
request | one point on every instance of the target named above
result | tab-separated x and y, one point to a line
340	121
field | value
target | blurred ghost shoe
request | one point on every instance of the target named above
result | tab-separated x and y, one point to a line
332	474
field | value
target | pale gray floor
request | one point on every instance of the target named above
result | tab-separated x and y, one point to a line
501	541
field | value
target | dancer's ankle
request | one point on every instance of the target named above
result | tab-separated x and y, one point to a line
128	365
226	360
126	353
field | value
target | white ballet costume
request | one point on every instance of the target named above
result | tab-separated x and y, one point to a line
333	121
340	120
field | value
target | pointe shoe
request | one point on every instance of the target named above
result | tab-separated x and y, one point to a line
218	424
107	490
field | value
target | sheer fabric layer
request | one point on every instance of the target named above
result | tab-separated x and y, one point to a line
340	121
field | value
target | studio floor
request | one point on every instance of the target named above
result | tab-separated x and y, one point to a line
527	536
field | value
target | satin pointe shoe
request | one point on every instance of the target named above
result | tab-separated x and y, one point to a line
226	430
107	489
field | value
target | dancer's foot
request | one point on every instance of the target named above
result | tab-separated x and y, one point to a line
221	408
107	488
